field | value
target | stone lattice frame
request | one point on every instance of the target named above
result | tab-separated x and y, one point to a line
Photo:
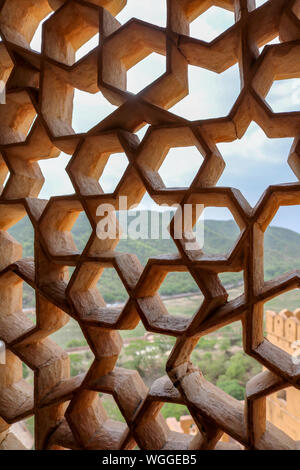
68	411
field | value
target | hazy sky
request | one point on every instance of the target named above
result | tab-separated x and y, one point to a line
252	163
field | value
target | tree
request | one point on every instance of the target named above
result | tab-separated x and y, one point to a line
232	387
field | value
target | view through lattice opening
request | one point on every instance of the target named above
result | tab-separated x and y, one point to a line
149	343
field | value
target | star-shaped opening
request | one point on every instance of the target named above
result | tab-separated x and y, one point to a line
264	158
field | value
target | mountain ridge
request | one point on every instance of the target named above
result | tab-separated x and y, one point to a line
282	254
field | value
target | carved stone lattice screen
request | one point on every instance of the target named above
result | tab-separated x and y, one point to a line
36	124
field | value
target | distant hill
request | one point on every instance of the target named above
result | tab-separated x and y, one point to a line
282	253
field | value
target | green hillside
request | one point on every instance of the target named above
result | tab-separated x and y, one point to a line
282	253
